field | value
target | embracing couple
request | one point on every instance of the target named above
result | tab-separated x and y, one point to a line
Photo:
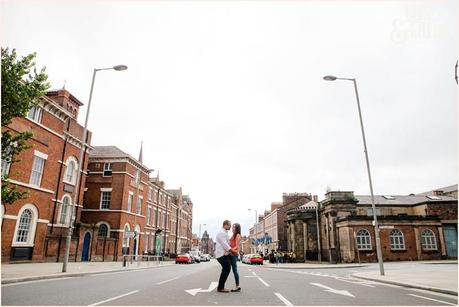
226	252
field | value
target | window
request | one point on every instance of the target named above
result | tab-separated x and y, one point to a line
155	214
130	198
139	205
137	177
25	225
125	238
35	114
428	240
107	169
71	171
103	231
149	193
64	210
363	240
37	170
5	168
148	215
105	199
397	241
146	243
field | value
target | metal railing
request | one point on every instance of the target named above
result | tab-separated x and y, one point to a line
130	259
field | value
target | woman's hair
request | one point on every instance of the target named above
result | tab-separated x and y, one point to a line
237	230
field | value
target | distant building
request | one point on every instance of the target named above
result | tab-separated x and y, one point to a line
207	244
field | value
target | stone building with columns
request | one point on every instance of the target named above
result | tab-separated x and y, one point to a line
412	227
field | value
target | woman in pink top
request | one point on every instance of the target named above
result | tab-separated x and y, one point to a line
234	244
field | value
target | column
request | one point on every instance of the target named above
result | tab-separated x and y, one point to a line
418	242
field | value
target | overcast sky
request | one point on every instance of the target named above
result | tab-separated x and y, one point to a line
229	99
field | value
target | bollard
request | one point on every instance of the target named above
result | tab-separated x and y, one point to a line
124	260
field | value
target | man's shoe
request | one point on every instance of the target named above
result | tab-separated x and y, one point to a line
238	289
223	290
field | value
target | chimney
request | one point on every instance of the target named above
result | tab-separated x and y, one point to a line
438	193
314	198
66	100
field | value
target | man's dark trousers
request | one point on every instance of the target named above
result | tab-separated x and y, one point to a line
225	262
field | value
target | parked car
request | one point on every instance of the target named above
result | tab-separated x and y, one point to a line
196	259
253	259
184	258
205	257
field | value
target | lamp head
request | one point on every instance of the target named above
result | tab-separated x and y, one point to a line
120	67
330	78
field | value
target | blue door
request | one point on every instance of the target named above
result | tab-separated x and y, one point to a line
86	244
451	241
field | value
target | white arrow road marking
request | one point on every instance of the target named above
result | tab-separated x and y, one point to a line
114	298
212	286
342	292
248	276
428	298
283	299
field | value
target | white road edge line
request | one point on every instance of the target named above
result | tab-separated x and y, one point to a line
163	282
283	299
114	298
431	299
264	282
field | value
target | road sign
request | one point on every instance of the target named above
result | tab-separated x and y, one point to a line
386	227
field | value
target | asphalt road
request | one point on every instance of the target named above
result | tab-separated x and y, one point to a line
195	285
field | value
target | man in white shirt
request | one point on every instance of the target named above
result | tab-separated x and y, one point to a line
222	253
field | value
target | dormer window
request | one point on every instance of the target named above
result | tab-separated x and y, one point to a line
107	169
388	197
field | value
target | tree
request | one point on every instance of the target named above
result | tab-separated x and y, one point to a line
22	87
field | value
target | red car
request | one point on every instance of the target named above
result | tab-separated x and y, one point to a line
255	259
183	258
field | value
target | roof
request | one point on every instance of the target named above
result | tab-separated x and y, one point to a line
385	200
448	189
108	151
112	152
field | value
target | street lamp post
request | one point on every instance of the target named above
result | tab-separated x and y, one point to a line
255	228
199	237
378	241
80	165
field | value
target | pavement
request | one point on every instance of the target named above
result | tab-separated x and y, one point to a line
443	281
20	272
412	276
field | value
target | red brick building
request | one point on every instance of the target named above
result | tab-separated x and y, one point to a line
34	229
129	212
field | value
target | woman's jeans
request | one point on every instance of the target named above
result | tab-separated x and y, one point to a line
234	267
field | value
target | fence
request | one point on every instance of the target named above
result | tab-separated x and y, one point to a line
130	259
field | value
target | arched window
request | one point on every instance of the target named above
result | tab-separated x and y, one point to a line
71	171
397	241
125	238
363	240
64	210
428	240
103	231
24	227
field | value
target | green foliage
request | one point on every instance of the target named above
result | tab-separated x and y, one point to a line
22	87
